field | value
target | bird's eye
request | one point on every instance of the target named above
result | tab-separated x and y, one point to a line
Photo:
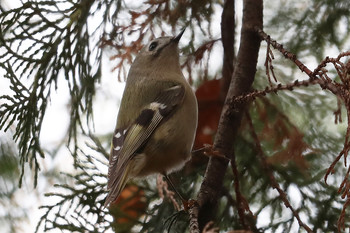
152	46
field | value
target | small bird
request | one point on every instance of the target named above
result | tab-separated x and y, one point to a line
157	118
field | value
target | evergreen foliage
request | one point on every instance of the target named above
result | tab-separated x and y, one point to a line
284	148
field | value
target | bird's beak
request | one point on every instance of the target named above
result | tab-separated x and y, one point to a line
178	37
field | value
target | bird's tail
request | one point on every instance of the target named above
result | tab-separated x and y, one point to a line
117	187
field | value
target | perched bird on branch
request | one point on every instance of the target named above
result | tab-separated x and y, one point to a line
157	118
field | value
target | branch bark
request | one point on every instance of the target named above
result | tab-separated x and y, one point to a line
228	43
193	212
231	115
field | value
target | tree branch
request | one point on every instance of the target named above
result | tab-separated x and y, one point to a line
193	212
228	43
241	82
271	177
288	55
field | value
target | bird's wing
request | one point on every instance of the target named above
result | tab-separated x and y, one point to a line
127	141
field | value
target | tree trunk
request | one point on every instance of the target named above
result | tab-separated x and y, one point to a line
242	79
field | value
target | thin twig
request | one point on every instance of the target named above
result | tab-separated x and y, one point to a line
290	56
209	228
242	203
272	179
162	187
193	210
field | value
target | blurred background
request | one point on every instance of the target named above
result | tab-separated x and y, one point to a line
62	72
